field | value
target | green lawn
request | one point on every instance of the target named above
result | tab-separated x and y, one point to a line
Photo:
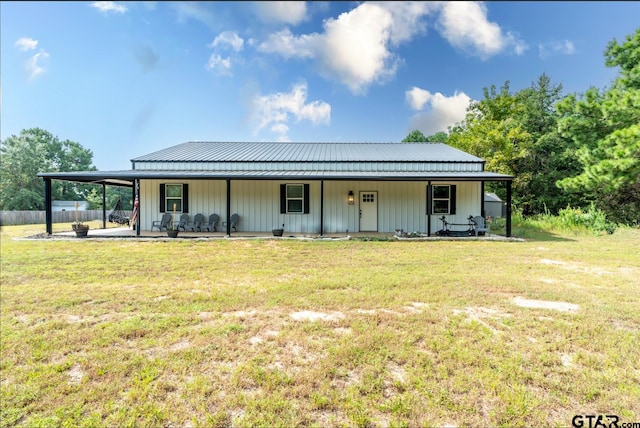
319	333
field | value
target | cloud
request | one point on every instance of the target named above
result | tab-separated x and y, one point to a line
355	48
223	41
220	65
443	111
199	11
26	44
33	65
281	12
109	6
276	110
466	27
228	38
564	47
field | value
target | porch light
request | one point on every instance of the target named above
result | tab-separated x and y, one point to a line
350	198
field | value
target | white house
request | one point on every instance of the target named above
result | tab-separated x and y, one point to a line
311	188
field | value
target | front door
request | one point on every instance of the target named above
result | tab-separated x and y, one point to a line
368	211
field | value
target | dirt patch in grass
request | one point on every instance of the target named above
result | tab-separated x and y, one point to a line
545	304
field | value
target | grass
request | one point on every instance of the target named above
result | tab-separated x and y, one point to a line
318	333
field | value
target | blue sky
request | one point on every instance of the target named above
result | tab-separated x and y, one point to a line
128	78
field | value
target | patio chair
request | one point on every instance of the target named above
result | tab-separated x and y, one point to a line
163	223
184	222
198	223
235	219
481	226
211	226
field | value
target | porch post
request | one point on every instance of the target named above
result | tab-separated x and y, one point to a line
104	206
508	209
482	210
47	206
228	207
136	194
428	208
321	208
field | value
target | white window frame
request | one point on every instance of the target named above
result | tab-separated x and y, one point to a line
169	205
434	199
295	198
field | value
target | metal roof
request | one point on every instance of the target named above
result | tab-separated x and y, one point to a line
201	151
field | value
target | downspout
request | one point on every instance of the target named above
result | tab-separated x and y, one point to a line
104	206
508	209
321	208
47	206
228	207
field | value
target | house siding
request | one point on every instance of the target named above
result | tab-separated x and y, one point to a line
401	204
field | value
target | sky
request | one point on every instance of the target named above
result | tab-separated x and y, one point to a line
125	79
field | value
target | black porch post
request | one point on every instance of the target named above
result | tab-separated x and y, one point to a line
482	210
428	210
228	207
321	207
136	195
104	206
508	209
47	205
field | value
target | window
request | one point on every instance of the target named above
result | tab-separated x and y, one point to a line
171	194
294	199
443	199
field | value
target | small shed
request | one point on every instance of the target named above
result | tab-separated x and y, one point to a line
494	206
69	205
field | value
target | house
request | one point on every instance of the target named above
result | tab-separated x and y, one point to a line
311	188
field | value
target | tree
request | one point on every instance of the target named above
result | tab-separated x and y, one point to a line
415	137
604	125
33	151
418	137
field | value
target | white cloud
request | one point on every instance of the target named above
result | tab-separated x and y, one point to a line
466	27
199	11
220	65
287	45
442	111
26	44
281	12
417	97
109	6
228	38
34	65
276	110
564	47
355	47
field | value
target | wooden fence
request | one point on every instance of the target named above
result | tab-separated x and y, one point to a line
8	218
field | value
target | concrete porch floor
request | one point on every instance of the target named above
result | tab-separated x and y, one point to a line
127	232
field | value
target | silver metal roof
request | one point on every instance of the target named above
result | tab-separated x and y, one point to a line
200	151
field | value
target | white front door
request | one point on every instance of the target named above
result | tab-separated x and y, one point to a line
368	211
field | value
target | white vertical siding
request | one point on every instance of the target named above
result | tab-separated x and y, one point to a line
205	197
401	204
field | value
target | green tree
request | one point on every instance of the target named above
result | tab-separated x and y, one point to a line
415	137
36	150
418	137
605	126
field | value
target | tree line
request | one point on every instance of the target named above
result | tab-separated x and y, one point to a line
576	150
